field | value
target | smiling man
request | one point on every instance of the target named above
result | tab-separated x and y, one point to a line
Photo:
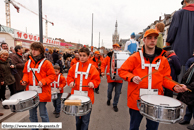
150	58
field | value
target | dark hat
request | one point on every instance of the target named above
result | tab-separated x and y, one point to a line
182	2
167	48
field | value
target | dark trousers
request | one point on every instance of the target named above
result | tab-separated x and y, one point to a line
57	103
3	89
168	92
189	113
82	122
136	118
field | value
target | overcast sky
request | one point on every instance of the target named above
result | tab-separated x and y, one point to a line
73	18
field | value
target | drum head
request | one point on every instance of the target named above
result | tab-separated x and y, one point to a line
23	95
161	100
77	97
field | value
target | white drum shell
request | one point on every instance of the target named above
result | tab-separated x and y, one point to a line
85	108
120	57
161	113
27	101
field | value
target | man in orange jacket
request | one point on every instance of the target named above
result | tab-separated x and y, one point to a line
75	60
41	77
148	59
96	61
111	83
89	77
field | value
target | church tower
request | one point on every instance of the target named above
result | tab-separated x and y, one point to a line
115	36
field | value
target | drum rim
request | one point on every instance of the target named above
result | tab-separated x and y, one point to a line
28	98
160	105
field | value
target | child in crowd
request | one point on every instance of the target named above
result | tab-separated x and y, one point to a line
76	81
59	83
160	28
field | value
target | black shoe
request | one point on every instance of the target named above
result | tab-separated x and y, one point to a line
108	102
115	108
97	92
54	112
57	115
191	127
5	107
183	122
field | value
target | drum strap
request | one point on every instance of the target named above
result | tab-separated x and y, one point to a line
56	83
82	73
150	66
34	69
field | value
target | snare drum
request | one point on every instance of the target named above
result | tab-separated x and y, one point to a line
85	108
22	101
160	108
117	59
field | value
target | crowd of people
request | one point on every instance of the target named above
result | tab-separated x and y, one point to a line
18	67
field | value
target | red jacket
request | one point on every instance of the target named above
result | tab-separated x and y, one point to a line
74	61
62	82
46	76
92	77
106	62
132	67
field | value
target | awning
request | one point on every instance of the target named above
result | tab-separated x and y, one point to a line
65	44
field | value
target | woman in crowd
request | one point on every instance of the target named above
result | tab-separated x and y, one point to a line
6	65
19	62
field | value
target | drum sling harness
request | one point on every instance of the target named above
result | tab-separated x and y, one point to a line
34	87
81	78
55	83
150	66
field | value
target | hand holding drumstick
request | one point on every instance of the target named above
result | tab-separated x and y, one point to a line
179	87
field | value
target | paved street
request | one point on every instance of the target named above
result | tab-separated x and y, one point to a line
103	117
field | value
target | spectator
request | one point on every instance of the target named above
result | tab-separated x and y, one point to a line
59	62
132	45
26	54
19	62
181	32
175	67
160	28
4	46
6	65
1	82
55	56
11	50
48	55
188	97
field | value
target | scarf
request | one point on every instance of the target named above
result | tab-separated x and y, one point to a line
2	59
189	7
38	58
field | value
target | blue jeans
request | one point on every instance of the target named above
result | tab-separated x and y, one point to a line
118	87
43	113
189	113
136	118
82	122
57	103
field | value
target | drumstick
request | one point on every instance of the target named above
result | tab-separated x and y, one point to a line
176	83
149	74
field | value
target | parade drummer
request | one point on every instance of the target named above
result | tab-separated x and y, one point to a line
57	86
38	74
111	83
83	73
150	58
96	61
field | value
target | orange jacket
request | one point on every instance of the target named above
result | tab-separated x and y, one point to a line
96	62
74	61
132	67
46	76
62	82
106	62
92	77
